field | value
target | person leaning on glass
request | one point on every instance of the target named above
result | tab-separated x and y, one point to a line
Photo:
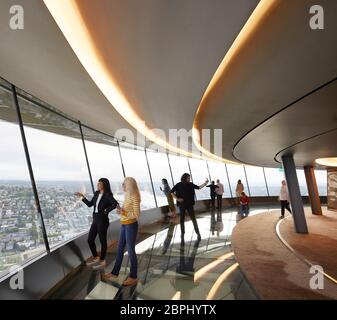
103	202
166	189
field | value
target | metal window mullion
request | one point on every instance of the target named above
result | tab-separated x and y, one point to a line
229	183
189	168
121	158
265	180
209	173
30	168
148	167
169	163
86	157
244	169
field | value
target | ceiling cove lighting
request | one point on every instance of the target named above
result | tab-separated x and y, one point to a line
252	24
70	21
328	162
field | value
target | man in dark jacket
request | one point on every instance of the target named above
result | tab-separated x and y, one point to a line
184	193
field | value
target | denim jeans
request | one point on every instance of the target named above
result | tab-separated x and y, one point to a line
127	236
244	209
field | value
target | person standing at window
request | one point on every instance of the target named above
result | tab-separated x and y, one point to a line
284	199
212	188
129	215
184	193
103	202
219	192
239	189
166	189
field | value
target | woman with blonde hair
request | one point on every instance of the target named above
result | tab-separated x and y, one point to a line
167	191
129	215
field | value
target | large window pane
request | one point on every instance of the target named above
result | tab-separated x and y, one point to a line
218	171
274	177
60	169
236	173
20	229
159	169
104	161
321	179
257	184
135	166
179	166
199	175
302	182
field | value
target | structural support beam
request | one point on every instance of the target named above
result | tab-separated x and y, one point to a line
294	194
315	201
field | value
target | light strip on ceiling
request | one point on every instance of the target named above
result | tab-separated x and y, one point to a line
252	24
69	19
328	162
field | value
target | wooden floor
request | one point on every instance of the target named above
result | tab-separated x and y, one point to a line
275	271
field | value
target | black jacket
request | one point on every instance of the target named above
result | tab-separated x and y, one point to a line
185	190
107	203
212	187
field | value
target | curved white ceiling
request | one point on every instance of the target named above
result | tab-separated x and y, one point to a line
281	61
148	67
306	129
162	56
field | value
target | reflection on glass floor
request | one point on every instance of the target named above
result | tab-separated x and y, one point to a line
197	270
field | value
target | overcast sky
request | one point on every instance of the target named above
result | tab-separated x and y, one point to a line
55	157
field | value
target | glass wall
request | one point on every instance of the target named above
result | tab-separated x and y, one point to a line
257	183
218	171
302	182
236	172
21	236
135	166
104	161
179	166
200	174
274	177
322	181
60	169
159	169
